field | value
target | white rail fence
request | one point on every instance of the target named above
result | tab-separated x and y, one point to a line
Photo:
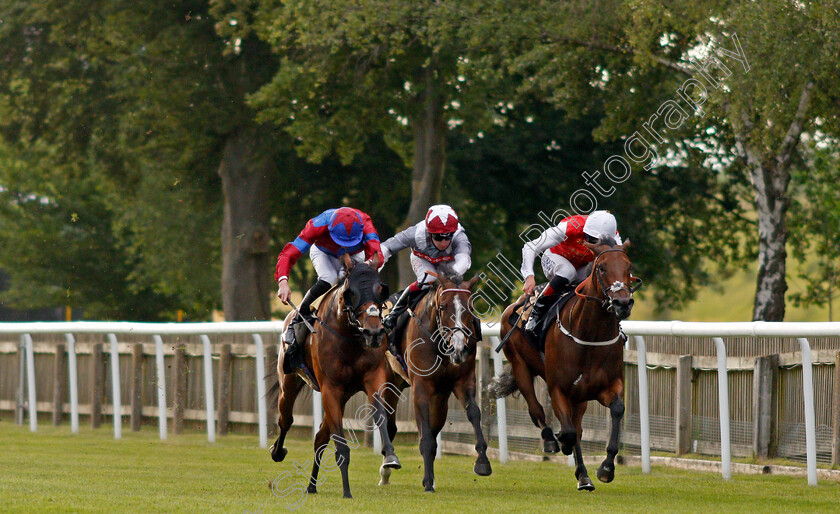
637	329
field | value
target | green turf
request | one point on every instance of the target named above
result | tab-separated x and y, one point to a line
53	470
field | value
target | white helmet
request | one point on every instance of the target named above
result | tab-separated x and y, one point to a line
600	225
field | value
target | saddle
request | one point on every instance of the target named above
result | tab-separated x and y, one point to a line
538	340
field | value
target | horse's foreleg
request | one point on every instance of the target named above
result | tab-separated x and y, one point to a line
289	388
428	444
563	410
465	391
525	381
333	414
584	482
606	471
322	439
385	397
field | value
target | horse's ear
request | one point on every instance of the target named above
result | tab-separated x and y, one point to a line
347	262
594	247
384	292
626	245
471	282
349	297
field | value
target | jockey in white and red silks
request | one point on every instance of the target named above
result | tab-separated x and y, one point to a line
564	256
438	245
326	237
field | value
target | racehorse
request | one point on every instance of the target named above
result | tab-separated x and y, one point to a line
438	348
584	358
347	355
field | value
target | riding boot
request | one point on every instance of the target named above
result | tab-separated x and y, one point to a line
405	299
296	332
546	299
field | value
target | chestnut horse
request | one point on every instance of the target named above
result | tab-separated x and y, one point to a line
346	355
439	348
584	358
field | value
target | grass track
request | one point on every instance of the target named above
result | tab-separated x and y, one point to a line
53	470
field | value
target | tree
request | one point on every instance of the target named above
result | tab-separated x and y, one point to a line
351	69
745	80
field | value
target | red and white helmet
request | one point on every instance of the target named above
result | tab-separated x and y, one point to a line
441	219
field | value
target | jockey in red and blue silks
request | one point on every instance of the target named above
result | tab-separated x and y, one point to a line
326	237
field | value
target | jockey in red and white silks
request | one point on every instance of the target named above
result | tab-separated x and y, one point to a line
438	245
564	256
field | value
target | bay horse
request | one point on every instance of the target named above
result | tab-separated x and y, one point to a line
438	347
584	358
346	355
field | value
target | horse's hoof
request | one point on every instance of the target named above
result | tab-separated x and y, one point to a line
606	474
277	455
429	490
566	449
482	468
348	495
391	461
384	475
585	484
567	439
311	489
550	446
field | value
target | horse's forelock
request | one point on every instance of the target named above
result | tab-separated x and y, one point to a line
608	241
363	279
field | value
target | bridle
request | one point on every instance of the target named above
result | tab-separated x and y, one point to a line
450	331
606	301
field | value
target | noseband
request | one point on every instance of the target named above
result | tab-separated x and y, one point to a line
616	286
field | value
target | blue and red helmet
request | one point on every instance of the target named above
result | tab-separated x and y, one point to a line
346	227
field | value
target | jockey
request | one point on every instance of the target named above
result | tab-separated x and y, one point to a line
565	261
438	244
328	236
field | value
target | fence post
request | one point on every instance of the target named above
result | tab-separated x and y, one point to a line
97	384
835	409
261	399
209	400
116	392
20	402
501	407
73	370
161	386
225	360
683	405
179	383
60	383
644	406
764	405
723	405
136	386
810	415
30	374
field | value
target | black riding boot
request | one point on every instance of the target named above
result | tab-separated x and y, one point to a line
406	299
556	286
293	358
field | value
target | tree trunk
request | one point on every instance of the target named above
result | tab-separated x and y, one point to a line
246	171
771	204
429	161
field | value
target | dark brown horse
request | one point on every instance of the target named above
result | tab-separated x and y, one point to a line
439	348
346	355
584	358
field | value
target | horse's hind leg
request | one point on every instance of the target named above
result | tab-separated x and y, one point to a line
289	388
391	396
465	391
525	381
606	471
564	411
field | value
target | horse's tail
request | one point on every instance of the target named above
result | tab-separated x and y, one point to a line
503	385
273	392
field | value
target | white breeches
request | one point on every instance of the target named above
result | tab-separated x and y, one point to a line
557	265
329	268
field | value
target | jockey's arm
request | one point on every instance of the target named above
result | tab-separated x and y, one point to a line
551	237
461	249
399	241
